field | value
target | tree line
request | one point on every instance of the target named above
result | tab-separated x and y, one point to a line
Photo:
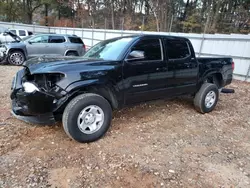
197	16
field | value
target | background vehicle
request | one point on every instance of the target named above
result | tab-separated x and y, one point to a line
19	50
5	37
112	74
13	52
21	32
54	44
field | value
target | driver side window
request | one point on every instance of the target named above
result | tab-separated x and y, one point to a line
147	50
40	39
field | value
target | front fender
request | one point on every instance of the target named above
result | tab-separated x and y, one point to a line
104	89
81	84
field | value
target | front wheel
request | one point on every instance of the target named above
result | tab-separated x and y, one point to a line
16	58
206	98
87	117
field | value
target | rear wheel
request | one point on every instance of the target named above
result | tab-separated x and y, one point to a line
16	57
206	98
87	117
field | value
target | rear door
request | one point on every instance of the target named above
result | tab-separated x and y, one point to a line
182	66
57	45
144	71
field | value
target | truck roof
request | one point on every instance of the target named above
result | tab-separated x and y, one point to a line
152	36
54	34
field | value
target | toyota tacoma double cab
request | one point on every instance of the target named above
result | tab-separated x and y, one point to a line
83	91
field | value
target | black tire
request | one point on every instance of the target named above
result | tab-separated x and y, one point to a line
226	90
199	100
16	57
73	110
72	54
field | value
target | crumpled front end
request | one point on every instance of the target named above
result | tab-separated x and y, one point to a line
35	98
3	54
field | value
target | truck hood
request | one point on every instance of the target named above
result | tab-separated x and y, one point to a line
49	64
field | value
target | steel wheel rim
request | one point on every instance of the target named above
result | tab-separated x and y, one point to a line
16	58
210	99
90	119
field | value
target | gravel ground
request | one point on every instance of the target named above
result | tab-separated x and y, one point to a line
164	143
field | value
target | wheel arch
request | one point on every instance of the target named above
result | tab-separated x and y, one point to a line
17	49
71	51
106	90
215	78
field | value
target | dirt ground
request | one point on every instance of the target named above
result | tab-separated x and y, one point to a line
164	143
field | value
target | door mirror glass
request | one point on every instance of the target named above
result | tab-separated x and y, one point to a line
136	54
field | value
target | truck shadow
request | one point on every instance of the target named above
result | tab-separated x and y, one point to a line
151	107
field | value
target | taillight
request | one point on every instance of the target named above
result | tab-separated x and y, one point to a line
233	65
84	47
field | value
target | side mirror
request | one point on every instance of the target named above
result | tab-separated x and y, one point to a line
30	42
136	55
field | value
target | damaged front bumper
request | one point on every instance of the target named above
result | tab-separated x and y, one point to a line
35	107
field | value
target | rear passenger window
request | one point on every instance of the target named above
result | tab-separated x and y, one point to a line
177	49
75	40
56	39
22	33
150	48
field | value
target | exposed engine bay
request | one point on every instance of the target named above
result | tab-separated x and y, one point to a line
45	82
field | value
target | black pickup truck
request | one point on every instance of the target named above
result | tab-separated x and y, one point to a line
83	91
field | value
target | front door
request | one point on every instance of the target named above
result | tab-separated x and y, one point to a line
37	45
144	71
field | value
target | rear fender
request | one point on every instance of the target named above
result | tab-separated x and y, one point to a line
215	75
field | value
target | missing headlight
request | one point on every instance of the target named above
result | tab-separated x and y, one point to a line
29	87
46	82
